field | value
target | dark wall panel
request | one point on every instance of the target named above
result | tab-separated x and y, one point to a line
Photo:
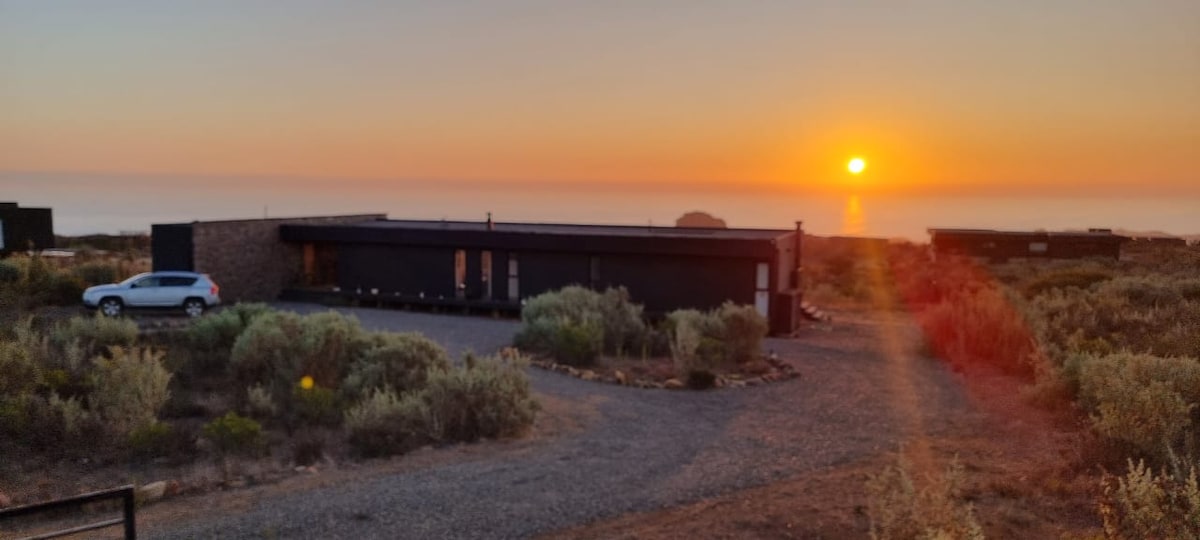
664	283
24	227
171	247
391	269
541	271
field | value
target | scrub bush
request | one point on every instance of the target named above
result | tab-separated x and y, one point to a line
1146	403
9	272
401	362
233	434
575	325
128	389
212	337
1080	278
898	509
316	406
96	333
742	331
981	327
385	423
490	397
95	273
710	341
1141	504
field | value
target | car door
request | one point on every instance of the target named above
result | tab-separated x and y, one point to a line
175	289
143	292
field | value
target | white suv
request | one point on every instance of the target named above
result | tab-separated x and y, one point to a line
189	290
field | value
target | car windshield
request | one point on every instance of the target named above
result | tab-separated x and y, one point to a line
130	281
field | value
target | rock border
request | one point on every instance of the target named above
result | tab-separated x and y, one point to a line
780	371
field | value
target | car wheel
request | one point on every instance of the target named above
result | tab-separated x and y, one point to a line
111	307
194	307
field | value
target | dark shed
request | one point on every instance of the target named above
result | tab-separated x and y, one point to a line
22	229
1004	245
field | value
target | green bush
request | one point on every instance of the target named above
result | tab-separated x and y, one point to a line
385	424
488	398
1145	402
151	440
128	390
233	434
316	406
1144	505
9	272
742	331
212	337
96	273
575	325
401	362
96	333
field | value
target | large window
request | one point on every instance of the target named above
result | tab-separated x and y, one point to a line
514	280
762	292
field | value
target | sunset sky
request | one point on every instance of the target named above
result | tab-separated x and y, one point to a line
940	97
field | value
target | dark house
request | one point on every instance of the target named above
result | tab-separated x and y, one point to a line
488	265
22	229
1003	245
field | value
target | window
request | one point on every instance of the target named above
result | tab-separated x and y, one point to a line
1038	247
145	282
485	271
514	280
176	281
762	295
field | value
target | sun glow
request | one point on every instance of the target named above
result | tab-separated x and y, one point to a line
856	165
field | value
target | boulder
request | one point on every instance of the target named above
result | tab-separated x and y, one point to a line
152	492
622	379
673	384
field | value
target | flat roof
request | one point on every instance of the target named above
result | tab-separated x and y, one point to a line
638	231
993	232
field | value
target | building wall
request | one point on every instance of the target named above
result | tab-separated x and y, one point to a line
23	227
171	247
248	259
664	283
397	269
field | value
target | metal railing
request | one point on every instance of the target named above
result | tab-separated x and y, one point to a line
125	493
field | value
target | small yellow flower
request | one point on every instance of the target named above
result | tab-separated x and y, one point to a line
306	382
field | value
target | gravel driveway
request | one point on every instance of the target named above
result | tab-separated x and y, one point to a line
643	450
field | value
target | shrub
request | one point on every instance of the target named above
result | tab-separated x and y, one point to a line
151	440
1145	402
488	398
384	423
743	330
1144	505
575	324
278	349
898	509
259	402
401	362
9	272
20	371
316	406
213	336
1077	277
96	333
981	327
96	273
233	434
128	390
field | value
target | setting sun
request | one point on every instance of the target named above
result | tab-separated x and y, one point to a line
856	165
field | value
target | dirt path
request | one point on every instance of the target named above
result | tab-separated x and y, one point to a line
613	451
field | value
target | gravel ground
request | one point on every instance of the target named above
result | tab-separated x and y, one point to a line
644	450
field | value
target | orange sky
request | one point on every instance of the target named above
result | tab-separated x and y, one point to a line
939	97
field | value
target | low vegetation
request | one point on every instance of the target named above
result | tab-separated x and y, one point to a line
247	381
577	327
1115	342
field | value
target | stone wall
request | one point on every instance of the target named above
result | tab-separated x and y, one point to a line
248	260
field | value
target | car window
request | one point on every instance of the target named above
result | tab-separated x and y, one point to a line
146	282
177	281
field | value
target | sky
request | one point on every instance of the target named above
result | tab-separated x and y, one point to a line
1100	97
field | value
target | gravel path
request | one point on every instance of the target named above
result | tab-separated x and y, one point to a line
644	450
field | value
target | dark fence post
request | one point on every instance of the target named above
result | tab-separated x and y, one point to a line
130	520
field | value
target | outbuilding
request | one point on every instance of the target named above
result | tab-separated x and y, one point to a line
22	229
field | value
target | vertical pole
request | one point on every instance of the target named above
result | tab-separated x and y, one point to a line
130	523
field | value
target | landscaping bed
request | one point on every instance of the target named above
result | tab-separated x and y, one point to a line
659	373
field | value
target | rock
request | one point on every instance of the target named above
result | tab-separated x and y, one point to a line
152	492
737	384
572	371
173	488
5	500
587	375
299	468
311	470
622	379
754	381
673	384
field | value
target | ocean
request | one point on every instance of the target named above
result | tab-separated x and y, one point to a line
108	203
